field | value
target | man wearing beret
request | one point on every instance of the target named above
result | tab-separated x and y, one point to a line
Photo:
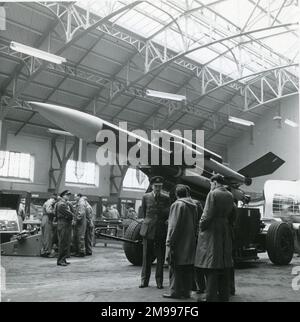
155	211
65	216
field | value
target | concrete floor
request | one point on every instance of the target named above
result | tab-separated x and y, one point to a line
108	276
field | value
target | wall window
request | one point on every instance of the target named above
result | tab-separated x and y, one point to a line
16	165
82	173
135	180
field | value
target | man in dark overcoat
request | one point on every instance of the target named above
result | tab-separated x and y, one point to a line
214	248
181	243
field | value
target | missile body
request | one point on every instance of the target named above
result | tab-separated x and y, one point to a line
87	127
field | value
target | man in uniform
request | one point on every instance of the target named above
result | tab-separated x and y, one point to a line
214	249
155	210
181	243
64	227
80	225
89	234
47	225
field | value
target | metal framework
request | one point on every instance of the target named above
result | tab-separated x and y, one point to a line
58	162
286	84
273	82
117	175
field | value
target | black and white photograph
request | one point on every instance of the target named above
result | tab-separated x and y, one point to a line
150	153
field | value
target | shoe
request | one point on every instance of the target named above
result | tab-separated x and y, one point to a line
201	300
143	285
62	264
67	263
160	287
79	255
88	254
171	296
186	296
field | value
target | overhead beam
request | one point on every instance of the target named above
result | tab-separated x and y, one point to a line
75	38
176	57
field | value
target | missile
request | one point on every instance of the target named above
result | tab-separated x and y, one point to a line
87	127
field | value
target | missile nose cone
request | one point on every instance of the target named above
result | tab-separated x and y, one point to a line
80	124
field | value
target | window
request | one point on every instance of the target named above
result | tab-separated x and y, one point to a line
82	173
135	180
16	165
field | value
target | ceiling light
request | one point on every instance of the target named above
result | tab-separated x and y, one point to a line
240	121
59	132
169	96
290	123
27	50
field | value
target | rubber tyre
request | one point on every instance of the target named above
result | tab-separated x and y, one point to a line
280	243
134	253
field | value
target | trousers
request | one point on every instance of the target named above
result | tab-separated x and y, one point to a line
152	248
217	285
64	233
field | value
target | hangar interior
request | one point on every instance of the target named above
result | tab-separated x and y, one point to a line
228	58
111	63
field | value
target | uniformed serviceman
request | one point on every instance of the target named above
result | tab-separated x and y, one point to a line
47	225
214	248
181	243
89	234
155	210
80	225
64	227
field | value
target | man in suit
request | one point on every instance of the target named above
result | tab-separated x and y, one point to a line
214	248
155	211
181	243
65	217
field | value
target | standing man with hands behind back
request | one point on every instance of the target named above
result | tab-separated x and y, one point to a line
155	211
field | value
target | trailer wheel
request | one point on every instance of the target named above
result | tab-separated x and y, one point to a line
134	253
280	243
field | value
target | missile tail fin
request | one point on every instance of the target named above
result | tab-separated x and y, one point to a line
263	166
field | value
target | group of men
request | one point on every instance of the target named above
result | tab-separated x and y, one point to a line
196	245
65	224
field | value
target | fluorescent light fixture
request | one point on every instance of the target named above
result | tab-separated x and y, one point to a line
277	118
240	121
59	132
290	123
169	96
27	50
